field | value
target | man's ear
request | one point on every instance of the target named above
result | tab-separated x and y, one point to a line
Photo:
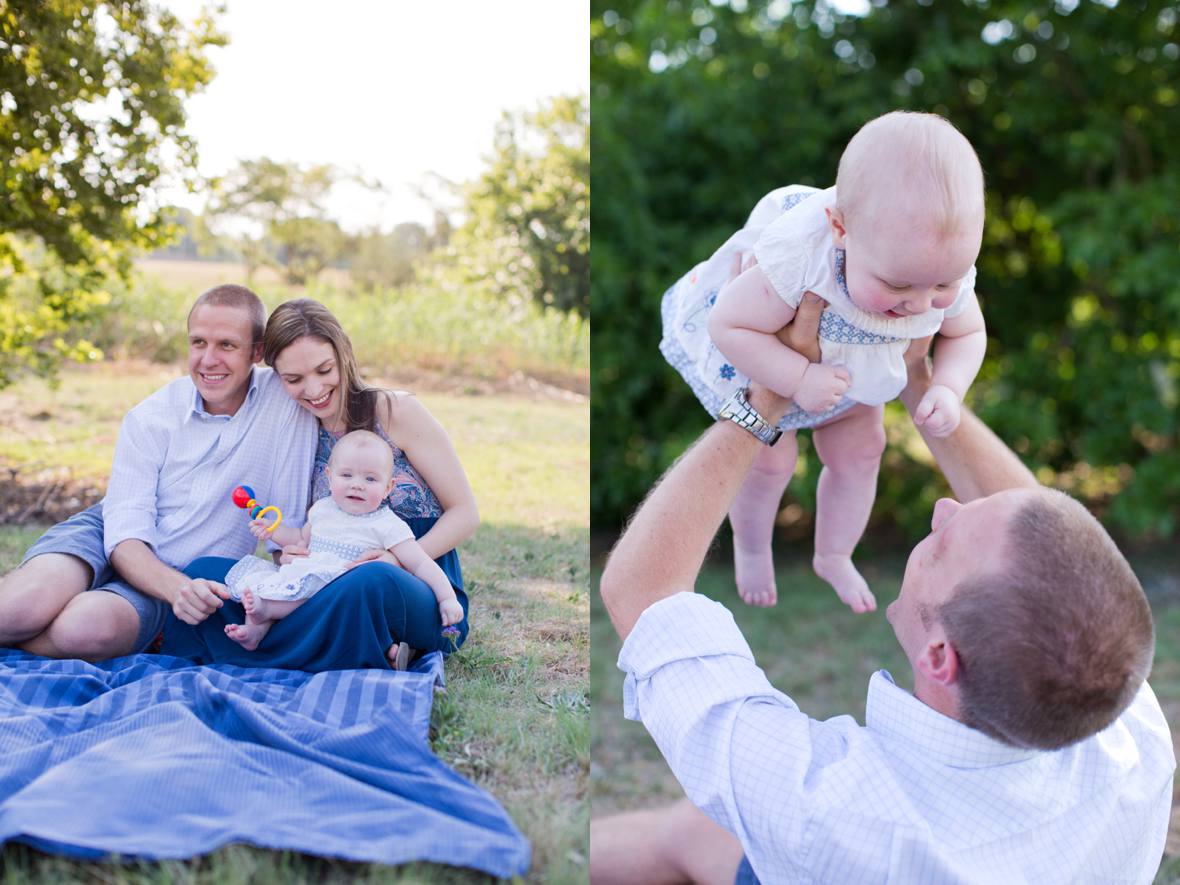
257	354
836	223
939	662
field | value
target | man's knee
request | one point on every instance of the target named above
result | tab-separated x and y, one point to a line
37	592
95	626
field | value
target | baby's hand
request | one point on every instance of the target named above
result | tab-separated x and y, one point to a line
260	528
451	611
939	411
821	388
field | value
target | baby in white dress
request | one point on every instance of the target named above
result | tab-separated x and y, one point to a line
891	250
352	520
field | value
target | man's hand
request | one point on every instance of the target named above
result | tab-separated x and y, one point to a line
939	411
802	333
291	552
198	598
821	388
451	612
376	555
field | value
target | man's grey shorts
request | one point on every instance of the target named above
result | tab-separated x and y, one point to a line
81	536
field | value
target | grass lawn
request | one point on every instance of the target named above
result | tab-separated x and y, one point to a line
821	655
516	715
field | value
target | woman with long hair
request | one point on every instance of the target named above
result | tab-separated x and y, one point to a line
367	615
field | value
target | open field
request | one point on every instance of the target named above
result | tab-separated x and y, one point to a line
820	654
441	331
515	718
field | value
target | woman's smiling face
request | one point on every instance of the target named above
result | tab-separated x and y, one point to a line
310	371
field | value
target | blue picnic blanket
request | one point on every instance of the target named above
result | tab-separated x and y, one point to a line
151	757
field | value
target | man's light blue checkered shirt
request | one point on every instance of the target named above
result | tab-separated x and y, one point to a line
176	466
911	797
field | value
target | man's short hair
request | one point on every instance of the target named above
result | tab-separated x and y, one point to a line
1053	648
229	295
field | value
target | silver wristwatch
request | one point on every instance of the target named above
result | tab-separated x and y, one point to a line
738	410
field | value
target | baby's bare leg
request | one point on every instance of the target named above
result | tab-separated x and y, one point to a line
259	610
260	614
752	518
850	448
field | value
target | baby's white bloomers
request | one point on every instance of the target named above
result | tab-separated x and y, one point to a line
788	233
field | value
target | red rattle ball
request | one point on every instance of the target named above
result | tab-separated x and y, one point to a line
243	496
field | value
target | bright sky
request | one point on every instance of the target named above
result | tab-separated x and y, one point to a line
396	90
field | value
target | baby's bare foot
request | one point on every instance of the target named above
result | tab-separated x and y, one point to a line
754	574
247	635
257	608
837	569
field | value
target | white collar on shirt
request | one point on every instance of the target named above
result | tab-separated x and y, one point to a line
198	409
906	724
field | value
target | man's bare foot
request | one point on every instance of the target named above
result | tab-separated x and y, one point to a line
754	574
247	635
837	569
257	609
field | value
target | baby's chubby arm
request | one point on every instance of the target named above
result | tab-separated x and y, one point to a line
743	324
283	535
958	354
414	560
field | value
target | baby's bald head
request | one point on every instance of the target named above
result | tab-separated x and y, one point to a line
912	169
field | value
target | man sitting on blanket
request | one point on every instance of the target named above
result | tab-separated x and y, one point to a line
180	454
1031	749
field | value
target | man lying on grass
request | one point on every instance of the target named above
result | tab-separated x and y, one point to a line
1031	749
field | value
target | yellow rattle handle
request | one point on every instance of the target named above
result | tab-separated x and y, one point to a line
278	516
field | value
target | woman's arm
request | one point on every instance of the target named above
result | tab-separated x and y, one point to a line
417	433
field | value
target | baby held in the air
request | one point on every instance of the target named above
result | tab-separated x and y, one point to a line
891	250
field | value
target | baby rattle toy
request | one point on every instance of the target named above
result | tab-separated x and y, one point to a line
243	496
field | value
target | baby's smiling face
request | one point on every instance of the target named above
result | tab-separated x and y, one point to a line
896	269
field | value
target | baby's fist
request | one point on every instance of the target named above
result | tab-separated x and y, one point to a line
939	411
821	388
451	611
260	528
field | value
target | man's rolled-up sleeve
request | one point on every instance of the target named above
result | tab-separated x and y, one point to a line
741	749
129	508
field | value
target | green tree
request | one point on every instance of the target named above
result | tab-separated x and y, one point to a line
699	108
91	107
382	260
283	205
527	228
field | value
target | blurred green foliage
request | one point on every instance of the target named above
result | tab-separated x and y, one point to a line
527	228
433	324
91	117
701	107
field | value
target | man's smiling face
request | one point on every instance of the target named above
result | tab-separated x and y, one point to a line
220	354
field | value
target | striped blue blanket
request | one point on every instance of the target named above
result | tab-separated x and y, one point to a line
152	757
